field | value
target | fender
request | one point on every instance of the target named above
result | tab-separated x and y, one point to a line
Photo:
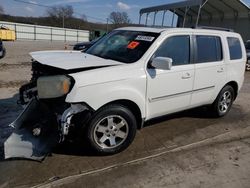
97	95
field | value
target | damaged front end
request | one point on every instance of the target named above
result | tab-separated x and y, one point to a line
47	119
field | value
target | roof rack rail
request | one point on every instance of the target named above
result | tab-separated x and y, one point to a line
214	28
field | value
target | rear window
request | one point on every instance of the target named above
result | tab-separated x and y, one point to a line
208	49
234	48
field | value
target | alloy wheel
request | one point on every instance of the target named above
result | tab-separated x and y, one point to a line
111	131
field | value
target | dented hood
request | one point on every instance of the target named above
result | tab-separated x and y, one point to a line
68	60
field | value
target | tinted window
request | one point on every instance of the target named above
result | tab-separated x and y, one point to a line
234	48
177	48
208	49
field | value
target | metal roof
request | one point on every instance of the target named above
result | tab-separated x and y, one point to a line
201	9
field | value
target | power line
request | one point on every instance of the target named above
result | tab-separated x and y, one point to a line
46	6
32	3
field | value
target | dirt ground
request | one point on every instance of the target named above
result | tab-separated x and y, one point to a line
188	149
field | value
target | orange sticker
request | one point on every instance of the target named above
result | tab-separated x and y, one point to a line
132	45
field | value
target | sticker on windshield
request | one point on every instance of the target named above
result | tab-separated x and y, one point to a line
132	45
145	38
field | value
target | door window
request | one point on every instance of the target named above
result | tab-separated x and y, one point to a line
177	48
209	49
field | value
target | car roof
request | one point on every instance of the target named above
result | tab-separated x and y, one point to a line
169	29
144	29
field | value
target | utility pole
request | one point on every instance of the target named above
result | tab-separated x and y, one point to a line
63	18
107	25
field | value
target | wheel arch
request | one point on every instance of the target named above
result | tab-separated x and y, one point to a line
132	106
235	86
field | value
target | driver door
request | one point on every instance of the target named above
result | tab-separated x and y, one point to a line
170	91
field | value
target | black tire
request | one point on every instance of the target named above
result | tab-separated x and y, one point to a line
4	53
248	67
219	106
99	129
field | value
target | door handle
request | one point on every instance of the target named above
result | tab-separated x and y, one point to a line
220	70
186	76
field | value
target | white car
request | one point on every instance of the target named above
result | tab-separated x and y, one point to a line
130	76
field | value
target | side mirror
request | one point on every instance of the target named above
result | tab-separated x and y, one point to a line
163	63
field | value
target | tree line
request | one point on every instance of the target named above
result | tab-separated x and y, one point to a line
63	16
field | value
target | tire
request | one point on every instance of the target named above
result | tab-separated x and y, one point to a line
4	53
223	102
248	67
111	129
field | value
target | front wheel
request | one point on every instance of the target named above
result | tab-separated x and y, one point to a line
112	129
224	101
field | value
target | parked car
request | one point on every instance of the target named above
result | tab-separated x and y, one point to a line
2	50
248	55
83	46
132	75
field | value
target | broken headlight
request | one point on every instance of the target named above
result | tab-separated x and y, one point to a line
53	86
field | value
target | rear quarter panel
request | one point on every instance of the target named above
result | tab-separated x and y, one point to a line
236	68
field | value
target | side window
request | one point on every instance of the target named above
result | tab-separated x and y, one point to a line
177	48
209	49
234	48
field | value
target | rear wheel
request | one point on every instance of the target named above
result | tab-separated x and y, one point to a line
248	66
224	101
112	129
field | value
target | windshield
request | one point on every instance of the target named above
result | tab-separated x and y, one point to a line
123	46
248	45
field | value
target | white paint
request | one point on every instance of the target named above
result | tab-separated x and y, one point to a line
147	87
70	59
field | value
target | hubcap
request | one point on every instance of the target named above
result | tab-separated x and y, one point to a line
225	102
111	131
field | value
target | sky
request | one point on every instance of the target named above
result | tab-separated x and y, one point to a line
97	10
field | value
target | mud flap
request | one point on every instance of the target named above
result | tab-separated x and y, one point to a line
35	134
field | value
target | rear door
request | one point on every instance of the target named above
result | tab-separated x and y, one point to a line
210	73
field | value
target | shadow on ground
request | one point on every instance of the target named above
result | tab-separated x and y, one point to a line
78	146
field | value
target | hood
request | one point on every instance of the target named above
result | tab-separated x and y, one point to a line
68	60
82	43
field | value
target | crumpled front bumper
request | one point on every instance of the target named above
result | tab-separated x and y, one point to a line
36	133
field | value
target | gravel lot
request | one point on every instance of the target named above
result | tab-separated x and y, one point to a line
188	149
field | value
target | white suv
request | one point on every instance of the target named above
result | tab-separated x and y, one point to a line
130	76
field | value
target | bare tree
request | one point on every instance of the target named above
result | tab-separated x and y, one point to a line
119	18
84	18
60	11
59	14
1	10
